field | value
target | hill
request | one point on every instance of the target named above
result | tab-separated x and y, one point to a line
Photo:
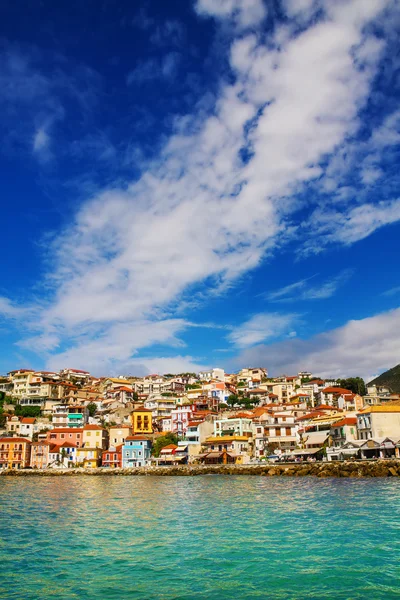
390	378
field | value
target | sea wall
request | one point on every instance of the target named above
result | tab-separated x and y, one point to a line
379	468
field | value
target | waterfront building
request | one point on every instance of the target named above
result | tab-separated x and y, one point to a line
136	451
62	457
60	435
379	421
112	458
343	431
40	454
173	455
89	457
238	446
15	452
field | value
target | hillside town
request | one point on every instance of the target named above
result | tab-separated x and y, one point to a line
58	420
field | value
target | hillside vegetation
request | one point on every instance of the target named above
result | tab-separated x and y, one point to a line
390	378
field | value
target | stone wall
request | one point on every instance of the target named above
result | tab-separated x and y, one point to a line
379	468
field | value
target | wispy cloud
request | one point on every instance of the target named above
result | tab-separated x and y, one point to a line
165	67
223	192
243	13
262	327
345	351
392	292
301	290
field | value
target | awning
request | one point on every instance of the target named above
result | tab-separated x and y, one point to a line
300	451
316	437
217	455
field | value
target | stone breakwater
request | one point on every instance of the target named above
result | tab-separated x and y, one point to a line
379	468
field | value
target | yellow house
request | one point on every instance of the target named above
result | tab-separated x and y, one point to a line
94	436
237	446
15	452
90	458
94	441
142	420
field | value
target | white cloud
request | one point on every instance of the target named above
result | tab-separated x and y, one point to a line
333	227
392	292
361	347
200	213
262	327
9	310
41	140
155	68
300	290
244	13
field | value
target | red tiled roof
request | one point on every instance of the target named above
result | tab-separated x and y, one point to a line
28	420
336	390
170	447
66	445
93	427
345	421
66	430
14	439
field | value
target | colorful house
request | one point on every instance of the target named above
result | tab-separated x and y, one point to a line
173	455
95	440
136	451
15	453
112	457
118	434
89	458
63	456
40	454
95	436
142	421
72	435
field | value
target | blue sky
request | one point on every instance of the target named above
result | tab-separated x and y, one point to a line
194	184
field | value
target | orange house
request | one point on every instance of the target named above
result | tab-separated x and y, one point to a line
15	453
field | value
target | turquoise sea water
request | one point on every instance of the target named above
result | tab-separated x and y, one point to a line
222	537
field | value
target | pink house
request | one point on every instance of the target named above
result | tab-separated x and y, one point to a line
61	435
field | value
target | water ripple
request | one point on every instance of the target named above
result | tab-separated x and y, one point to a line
177	538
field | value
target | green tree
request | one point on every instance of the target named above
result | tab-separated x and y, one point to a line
232	400
247	402
92	408
164	440
27	411
355	384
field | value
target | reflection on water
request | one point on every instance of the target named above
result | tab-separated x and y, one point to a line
210	537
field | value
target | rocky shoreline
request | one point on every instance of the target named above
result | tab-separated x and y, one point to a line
379	468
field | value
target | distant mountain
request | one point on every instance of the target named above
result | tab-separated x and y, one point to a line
390	378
